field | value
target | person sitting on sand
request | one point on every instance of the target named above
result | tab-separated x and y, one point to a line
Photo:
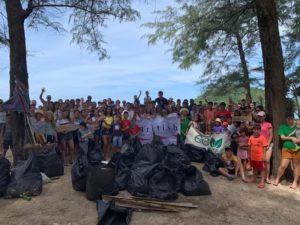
232	166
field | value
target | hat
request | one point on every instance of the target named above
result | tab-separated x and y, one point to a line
39	111
218	120
261	113
289	115
183	110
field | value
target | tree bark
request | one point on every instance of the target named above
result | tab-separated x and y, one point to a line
18	68
246	79
275	88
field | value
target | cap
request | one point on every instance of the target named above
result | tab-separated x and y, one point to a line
219	120
83	124
261	113
184	110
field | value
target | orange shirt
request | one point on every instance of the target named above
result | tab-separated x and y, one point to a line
257	146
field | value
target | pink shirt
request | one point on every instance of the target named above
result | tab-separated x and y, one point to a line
265	130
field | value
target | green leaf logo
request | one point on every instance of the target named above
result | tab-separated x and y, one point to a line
212	142
218	143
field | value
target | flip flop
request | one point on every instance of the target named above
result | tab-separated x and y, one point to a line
261	186
245	181
268	182
274	184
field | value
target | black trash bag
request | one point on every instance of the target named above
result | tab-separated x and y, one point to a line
212	166
195	154
123	164
50	163
94	154
175	159
110	214
100	180
132	148
79	171
208	155
4	175
193	184
138	180
163	185
25	179
149	154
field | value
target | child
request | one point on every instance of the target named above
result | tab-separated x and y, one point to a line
232	165
243	149
258	144
134	129
117	133
218	128
84	134
297	133
125	125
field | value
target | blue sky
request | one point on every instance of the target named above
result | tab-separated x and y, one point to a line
68	71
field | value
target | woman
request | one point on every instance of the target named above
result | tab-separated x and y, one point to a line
66	137
267	132
185	120
107	121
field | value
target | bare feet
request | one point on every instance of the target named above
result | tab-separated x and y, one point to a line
294	187
276	183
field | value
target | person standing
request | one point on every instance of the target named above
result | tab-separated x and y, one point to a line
289	151
267	132
161	101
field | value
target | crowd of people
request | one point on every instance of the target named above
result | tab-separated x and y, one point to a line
68	123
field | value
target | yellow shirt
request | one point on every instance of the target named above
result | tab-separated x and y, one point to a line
108	122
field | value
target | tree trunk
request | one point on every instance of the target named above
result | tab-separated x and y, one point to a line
18	68
246	79
274	68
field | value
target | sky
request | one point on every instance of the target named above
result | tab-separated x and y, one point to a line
70	71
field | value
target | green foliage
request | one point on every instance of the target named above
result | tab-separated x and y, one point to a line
86	18
235	94
207	32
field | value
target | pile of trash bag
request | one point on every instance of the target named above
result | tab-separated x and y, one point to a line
26	179
4	175
157	171
91	176
50	163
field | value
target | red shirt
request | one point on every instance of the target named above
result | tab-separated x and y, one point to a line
224	114
135	130
125	123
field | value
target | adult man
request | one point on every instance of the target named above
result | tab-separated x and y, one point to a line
147	98
223	113
46	103
289	152
161	101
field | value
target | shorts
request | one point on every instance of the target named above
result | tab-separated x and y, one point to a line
66	136
117	141
290	154
107	131
258	165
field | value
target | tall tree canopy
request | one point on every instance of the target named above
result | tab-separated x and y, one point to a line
219	34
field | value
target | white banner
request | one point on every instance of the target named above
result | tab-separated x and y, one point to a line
167	128
216	142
